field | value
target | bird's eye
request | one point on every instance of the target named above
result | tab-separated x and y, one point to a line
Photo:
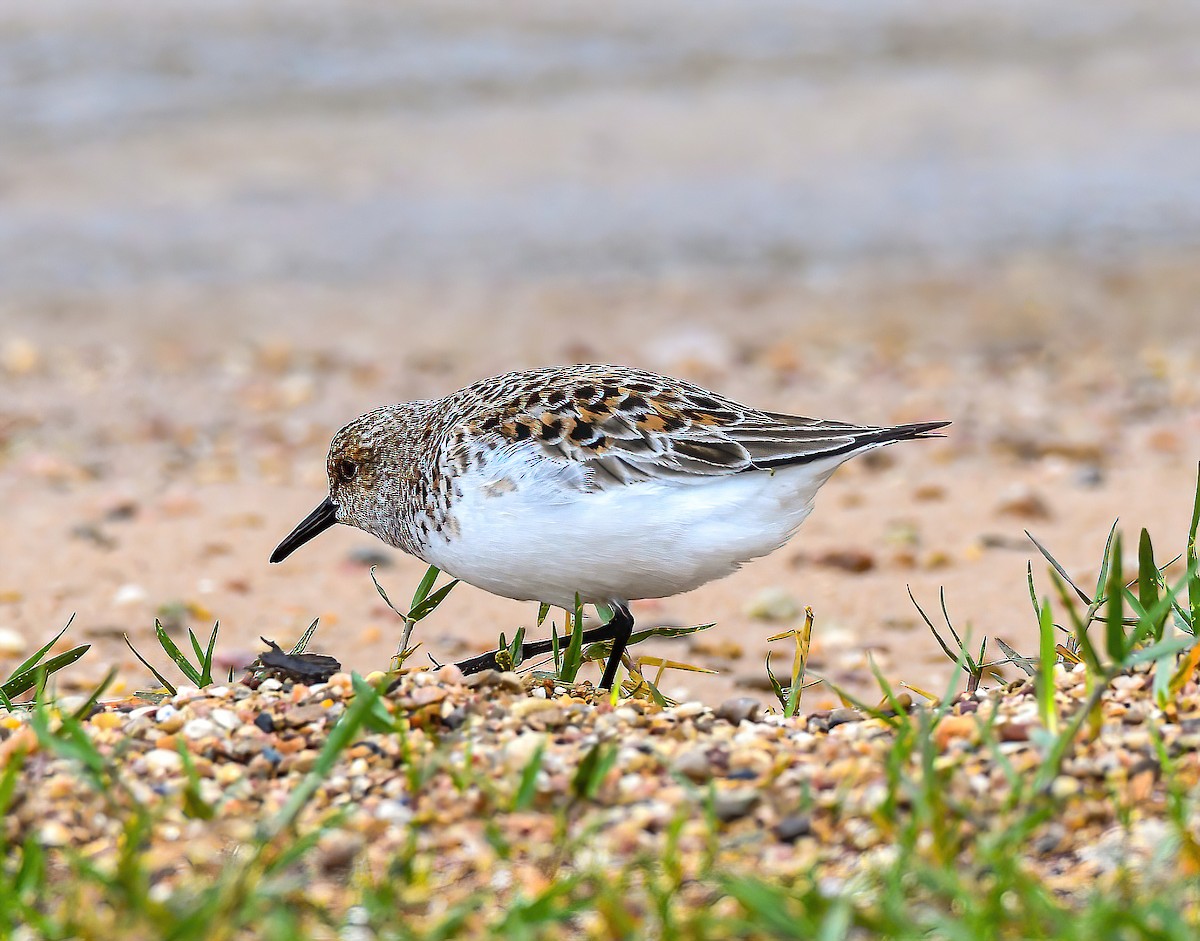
345	469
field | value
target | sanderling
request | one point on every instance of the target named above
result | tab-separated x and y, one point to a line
608	483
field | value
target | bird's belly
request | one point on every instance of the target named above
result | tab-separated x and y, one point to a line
643	540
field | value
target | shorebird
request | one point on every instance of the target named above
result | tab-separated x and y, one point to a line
606	483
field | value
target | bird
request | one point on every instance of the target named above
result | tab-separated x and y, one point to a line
588	483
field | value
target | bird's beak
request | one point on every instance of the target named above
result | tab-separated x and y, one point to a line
312	525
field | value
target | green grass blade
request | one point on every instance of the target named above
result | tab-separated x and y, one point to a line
527	788
425	586
668	632
1105	561
426	606
178	656
1061	571
1115	642
1032	589
1083	642
780	693
90	703
42	651
302	644
25	681
1193	565
163	681
384	595
573	655
1026	665
592	770
1147	574
1047	657
1160	651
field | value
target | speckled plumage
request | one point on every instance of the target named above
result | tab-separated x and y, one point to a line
607	481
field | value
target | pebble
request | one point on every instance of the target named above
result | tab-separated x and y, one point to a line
791	828
739	709
773	604
199	728
163	762
128	595
12	644
169	719
694	765
1022	501
733	805
843	715
775	782
855	561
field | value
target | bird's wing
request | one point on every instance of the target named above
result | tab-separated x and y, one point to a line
631	426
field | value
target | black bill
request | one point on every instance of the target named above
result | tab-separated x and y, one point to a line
312	525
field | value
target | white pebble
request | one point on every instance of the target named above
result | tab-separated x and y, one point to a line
159	761
12	643
226	718
198	728
129	594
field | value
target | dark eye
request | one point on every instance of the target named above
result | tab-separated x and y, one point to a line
345	469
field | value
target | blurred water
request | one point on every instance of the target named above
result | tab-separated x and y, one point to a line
234	142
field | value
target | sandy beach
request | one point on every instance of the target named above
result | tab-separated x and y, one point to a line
226	230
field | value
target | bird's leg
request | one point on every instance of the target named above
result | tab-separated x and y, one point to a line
487	661
622	625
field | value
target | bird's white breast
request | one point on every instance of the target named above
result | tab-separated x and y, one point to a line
524	529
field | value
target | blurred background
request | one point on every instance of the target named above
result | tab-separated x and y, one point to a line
226	228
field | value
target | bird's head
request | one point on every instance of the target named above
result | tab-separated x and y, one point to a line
368	460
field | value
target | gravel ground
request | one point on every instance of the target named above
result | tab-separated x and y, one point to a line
785	795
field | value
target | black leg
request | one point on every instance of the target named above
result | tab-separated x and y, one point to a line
622	625
487	661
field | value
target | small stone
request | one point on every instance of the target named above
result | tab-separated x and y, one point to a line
107	720
336	851
369	556
427	695
721	649
733	805
773	604
1064	786
160	761
226	719
520	751
929	492
54	833
129	594
689	710
169	718
199	728
513	682
855	561
265	722
302	762
952	728
1012	732
1024	502
791	828
843	715
694	765
739	709
12	644
303	715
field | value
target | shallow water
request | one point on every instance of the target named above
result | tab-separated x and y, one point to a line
234	143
